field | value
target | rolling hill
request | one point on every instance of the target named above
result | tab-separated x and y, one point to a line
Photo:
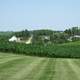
19	67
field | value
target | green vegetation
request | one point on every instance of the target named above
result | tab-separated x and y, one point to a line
6	33
49	37
45	43
4	36
67	50
18	67
73	31
23	34
45	58
44	36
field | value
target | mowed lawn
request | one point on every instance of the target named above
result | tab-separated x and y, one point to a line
19	67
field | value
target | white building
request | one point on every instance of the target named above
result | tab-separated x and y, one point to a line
14	38
45	38
75	36
29	41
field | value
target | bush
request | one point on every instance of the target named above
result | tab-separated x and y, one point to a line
67	50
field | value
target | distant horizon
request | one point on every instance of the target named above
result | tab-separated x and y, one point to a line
16	15
20	29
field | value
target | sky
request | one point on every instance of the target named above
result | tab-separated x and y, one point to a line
17	15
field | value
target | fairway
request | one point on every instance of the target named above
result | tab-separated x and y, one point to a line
19	67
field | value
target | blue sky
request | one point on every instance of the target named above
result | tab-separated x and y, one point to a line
39	14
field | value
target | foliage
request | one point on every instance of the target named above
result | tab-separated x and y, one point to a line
68	50
55	36
75	39
59	38
4	36
24	34
73	31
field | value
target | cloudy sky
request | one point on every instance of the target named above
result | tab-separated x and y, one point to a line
39	14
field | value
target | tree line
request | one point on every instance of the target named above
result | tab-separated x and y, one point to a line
43	36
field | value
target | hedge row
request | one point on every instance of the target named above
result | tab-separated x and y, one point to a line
56	51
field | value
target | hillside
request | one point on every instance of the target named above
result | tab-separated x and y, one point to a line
42	43
18	67
7	33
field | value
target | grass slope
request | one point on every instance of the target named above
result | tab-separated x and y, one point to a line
18	67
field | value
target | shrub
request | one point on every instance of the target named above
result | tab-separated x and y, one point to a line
68	50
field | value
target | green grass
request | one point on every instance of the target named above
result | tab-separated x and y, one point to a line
19	67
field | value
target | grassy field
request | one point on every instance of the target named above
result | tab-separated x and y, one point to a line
19	67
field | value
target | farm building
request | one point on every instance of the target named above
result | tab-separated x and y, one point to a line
45	37
29	41
75	36
14	38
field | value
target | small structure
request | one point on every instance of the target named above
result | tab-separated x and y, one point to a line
75	36
45	38
14	39
70	38
29	41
